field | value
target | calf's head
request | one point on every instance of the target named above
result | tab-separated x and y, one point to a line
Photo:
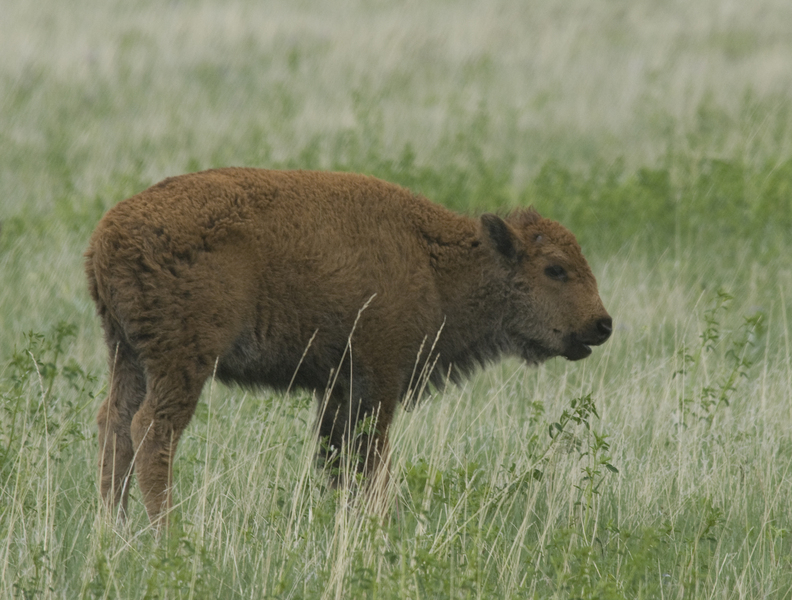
552	307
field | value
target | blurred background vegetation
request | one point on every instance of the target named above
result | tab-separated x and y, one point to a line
667	125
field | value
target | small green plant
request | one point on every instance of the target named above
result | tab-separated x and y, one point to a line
182	565
593	447
701	402
33	584
28	404
42	395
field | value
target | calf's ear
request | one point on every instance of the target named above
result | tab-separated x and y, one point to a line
501	234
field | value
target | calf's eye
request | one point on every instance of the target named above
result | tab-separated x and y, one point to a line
556	272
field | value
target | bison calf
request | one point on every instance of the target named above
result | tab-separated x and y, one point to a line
264	276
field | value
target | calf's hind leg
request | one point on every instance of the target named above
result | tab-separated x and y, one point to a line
116	453
171	398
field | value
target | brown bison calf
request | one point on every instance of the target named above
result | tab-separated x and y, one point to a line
264	276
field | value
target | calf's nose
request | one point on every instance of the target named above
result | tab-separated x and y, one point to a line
605	328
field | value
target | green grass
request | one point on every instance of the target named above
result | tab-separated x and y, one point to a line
660	133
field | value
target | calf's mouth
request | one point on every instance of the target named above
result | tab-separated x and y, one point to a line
577	345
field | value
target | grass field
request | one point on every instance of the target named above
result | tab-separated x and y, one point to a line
659	132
